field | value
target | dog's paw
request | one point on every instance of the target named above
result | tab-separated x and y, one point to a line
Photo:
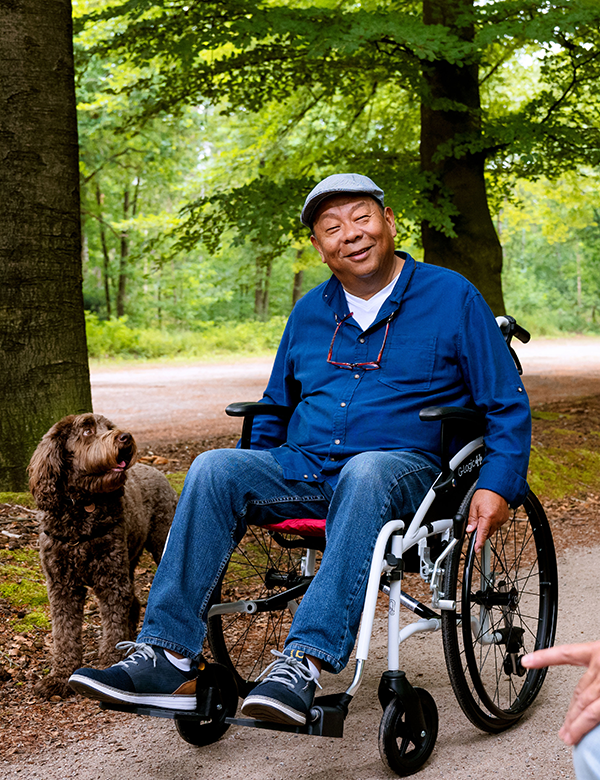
51	687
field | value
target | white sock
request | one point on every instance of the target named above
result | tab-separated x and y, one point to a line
313	669
184	664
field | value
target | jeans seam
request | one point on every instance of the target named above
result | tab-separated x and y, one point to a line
284	500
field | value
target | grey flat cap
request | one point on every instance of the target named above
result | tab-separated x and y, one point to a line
337	184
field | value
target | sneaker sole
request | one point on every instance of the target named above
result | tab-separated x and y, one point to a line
272	710
100	692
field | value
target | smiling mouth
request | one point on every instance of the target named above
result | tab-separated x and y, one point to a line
358	252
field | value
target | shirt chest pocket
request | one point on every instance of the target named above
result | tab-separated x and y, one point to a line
408	364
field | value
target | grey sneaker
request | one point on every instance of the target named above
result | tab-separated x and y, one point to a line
286	694
145	677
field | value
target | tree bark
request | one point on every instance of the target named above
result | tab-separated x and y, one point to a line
297	288
262	283
42	329
105	253
124	243
475	251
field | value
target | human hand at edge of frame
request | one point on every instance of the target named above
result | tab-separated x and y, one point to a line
584	710
487	513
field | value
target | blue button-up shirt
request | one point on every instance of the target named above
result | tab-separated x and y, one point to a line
444	348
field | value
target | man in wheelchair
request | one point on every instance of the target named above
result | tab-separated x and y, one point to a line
361	355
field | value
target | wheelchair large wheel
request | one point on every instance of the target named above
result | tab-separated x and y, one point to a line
400	750
258	569
506	598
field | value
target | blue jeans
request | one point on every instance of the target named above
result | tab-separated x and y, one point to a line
586	756
225	490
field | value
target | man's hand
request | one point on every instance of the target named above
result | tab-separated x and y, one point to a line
487	513
584	710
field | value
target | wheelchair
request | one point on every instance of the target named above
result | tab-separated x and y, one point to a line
492	607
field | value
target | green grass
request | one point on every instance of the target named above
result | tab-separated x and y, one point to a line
539	415
115	339
557	473
177	479
22	584
22	499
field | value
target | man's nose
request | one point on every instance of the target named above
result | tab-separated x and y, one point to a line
352	232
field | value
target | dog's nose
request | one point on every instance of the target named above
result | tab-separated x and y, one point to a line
124	439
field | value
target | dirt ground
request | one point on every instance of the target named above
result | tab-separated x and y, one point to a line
73	739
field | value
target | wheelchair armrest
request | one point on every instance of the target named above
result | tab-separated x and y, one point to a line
455	421
251	409
455	413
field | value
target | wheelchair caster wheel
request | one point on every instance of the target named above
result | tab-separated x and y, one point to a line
223	704
403	751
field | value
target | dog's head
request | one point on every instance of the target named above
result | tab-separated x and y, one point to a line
80	455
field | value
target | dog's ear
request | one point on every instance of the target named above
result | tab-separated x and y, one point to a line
46	467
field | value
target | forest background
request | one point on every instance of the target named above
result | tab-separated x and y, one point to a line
191	238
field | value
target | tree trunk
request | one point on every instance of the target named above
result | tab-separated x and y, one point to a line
42	330
475	251
261	288
105	253
297	288
123	259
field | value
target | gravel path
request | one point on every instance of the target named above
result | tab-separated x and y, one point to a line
150	749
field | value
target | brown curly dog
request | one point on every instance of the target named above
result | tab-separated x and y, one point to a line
98	513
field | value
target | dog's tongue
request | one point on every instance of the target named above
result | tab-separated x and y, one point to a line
120	466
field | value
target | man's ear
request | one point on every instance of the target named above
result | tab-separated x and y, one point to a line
317	246
389	217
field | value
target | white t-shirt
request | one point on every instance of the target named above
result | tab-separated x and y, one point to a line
365	312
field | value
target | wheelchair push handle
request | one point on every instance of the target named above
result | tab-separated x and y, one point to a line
510	328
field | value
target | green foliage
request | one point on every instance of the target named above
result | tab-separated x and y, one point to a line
212	120
114	338
551	235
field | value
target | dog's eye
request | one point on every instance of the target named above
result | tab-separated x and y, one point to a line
87	432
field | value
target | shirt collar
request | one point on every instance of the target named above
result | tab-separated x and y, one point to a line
333	293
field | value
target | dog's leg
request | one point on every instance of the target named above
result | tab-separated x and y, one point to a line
134	617
66	607
116	604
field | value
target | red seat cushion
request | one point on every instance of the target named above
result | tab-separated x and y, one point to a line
301	527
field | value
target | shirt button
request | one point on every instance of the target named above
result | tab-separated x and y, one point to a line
343	403
362	341
306	476
357	376
315	476
337	441
519	389
332	458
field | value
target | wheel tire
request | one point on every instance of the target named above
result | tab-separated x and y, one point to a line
243	641
398	750
205	732
512	594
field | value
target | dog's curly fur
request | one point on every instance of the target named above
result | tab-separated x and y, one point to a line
98	513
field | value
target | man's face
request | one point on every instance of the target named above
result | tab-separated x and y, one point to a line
355	238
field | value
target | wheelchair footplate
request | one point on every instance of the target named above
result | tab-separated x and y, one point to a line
216	704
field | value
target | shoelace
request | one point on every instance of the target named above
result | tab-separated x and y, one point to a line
286	670
134	649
